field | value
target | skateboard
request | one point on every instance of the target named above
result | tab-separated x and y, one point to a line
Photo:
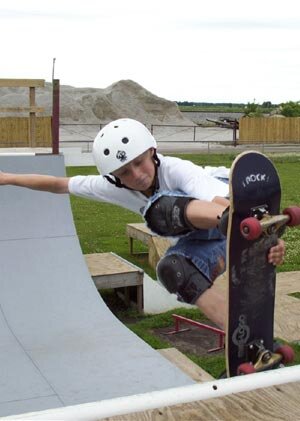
254	225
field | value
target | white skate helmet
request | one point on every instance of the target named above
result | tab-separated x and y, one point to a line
119	142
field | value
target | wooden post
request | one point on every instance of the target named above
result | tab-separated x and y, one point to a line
55	117
32	119
234	132
32	109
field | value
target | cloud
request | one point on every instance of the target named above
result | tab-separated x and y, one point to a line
188	50
239	24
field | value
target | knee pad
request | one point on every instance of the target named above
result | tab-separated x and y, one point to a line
166	216
180	276
223	222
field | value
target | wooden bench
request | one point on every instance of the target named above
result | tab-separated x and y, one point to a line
109	270
139	232
157	245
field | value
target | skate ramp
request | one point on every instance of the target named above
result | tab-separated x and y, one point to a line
60	344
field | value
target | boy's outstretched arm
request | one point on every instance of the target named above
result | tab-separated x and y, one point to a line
36	182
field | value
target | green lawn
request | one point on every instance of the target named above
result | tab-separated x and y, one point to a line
101	228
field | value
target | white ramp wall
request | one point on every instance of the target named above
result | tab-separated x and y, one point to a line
60	344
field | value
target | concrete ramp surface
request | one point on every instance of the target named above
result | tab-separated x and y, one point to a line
60	344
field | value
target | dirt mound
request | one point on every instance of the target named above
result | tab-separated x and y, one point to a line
125	98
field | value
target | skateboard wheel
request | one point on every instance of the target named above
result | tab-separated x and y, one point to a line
245	368
250	228
294	213
287	353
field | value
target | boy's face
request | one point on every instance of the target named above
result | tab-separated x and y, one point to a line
139	173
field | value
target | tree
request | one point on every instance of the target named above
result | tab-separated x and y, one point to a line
290	109
252	110
266	104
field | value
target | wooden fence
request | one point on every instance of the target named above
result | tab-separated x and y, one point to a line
15	132
269	130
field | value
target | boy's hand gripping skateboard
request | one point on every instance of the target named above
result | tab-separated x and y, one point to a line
254	225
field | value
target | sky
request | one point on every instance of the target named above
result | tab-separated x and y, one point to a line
182	50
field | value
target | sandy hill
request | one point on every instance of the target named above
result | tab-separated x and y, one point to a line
92	105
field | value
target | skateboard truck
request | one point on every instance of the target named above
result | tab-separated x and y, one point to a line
261	222
259	212
261	359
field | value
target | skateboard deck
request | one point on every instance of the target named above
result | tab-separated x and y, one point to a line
254	191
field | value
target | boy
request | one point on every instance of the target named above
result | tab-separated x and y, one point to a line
177	199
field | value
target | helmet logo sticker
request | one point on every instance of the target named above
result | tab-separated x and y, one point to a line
121	155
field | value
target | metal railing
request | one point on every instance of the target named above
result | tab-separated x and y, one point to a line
85	133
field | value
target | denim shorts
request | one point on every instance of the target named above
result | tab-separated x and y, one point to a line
206	249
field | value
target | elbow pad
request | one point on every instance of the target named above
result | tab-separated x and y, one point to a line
166	216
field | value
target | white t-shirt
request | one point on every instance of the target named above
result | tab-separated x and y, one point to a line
174	174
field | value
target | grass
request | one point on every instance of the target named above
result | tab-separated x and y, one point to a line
213	108
295	294
144	325
101	228
220	108
214	365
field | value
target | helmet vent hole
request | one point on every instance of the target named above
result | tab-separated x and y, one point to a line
102	134
125	140
116	127
106	152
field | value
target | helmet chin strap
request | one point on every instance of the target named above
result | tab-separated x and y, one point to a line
117	182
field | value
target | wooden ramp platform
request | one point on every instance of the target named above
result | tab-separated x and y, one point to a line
287	308
273	403
186	365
